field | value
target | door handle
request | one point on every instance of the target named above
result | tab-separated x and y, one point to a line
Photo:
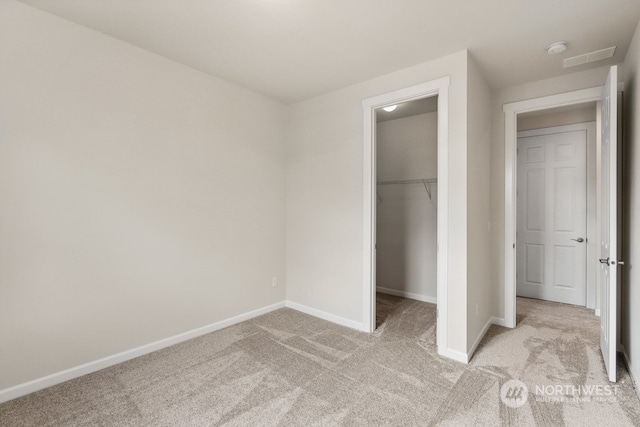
579	240
604	261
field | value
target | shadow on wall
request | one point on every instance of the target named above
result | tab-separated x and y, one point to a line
406	238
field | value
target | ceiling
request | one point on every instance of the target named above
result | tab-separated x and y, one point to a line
408	109
586	106
292	50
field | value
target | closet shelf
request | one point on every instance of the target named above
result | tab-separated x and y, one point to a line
426	182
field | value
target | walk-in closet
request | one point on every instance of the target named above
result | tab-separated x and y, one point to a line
407	195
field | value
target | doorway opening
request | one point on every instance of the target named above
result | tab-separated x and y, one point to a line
556	187
437	89
512	112
406	209
607	99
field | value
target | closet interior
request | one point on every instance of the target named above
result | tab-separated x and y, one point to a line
407	194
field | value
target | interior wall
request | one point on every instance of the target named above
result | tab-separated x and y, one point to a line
630	294
567	83
406	223
541	121
134	191
479	299
325	212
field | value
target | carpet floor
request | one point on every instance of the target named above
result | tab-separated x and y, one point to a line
288	368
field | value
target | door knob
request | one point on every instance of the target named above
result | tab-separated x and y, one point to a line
579	240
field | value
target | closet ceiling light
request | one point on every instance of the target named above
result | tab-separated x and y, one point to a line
390	108
556	48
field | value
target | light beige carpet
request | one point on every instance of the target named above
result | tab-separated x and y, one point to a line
287	368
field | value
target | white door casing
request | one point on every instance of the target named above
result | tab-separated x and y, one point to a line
511	112
552	215
439	87
609	226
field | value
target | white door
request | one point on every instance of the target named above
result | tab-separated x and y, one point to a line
551	250
609	226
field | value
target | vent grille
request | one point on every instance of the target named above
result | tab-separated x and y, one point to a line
598	55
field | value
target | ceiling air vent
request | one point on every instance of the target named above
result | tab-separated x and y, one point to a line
589	57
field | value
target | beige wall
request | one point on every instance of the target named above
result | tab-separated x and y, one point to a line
137	191
630	327
479	301
325	194
406	221
140	198
541	121
567	83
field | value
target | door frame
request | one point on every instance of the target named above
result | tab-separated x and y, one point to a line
440	88
511	112
591	171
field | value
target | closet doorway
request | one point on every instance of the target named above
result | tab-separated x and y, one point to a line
406	208
424	183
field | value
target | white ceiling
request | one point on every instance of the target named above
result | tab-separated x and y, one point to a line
292	50
408	109
586	106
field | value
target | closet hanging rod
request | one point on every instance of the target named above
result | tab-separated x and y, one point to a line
426	182
409	181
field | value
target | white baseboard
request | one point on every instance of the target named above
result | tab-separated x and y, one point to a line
498	321
87	368
458	356
326	316
492	321
410	295
597	311
632	373
481	335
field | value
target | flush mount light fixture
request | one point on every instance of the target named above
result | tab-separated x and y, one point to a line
390	108
556	48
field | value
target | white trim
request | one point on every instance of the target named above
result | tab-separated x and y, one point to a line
369	222
343	321
465	358
553	101
511	112
456	355
557	129
438	87
498	321
442	286
404	294
492	321
597	312
105	362
481	335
